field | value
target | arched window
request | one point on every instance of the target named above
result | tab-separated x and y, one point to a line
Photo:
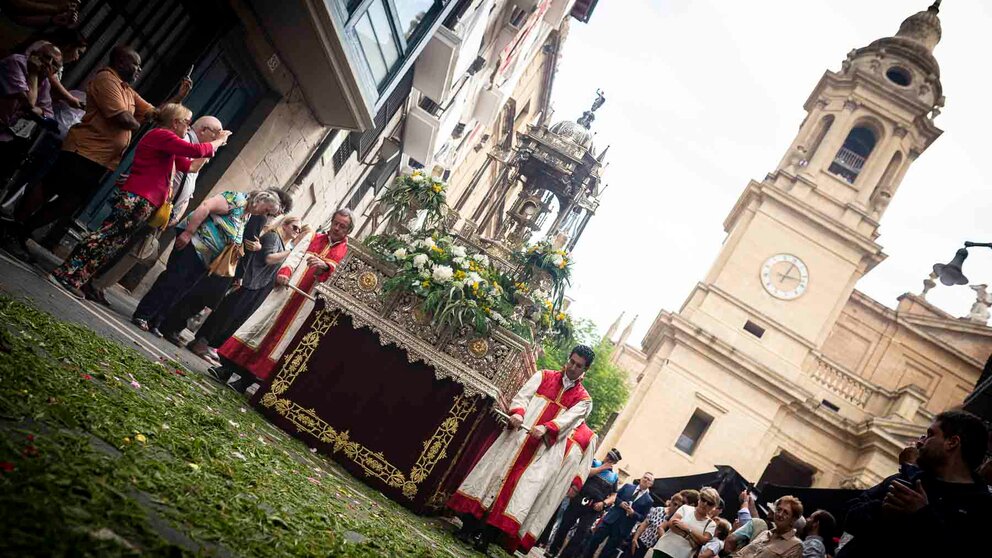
851	157
818	135
886	186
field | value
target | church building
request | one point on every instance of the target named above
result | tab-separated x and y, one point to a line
776	364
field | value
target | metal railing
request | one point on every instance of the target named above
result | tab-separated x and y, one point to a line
849	386
849	160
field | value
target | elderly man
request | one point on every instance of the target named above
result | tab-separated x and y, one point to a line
780	541
251	354
499	493
204	129
92	149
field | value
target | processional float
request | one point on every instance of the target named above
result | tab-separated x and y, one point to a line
423	335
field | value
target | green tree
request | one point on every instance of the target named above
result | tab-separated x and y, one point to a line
605	381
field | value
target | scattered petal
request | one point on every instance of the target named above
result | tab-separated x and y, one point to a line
314	481
127	440
239	455
140	438
194	466
313	450
7	467
232	423
86	376
134	383
165	426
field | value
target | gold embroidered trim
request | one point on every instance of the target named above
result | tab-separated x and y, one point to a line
374	464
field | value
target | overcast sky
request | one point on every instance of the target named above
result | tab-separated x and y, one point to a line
704	95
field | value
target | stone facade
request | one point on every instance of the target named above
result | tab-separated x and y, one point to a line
775	364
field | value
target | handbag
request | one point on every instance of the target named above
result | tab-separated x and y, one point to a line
160	219
147	249
225	264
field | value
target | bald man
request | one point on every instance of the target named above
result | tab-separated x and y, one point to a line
204	129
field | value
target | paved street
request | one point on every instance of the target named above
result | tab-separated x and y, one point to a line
28	282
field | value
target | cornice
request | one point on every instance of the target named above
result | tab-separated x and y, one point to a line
761	191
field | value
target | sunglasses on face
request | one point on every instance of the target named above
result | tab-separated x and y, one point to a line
707	502
296	228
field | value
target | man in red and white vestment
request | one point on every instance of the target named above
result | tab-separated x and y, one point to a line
258	345
580	449
500	491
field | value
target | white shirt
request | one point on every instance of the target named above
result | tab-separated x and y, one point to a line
185	188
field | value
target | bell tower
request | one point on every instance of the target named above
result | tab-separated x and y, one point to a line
799	240
774	363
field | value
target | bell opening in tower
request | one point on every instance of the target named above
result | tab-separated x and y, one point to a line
851	157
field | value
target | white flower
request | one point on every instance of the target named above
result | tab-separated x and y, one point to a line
481	258
400	253
420	260
428	243
443	274
557	259
417	178
458	251
460	262
498	317
474	277
405	238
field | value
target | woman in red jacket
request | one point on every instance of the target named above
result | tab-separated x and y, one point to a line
148	187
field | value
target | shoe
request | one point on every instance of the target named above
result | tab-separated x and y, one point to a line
95	295
173	338
155	331
219	373
142	324
66	287
240	383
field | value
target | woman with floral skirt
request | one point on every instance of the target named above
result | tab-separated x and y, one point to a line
159	153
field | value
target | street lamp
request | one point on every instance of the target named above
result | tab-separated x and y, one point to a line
950	273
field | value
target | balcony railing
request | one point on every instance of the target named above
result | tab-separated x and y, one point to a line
849	386
847	164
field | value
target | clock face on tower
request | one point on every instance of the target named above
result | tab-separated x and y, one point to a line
784	276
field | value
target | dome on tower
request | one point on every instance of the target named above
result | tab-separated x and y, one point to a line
922	27
573	132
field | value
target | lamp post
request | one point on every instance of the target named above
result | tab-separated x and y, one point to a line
950	274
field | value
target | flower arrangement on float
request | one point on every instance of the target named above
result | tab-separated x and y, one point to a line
415	193
458	288
547	266
462	287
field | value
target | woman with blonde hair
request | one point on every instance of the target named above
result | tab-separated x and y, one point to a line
148	186
278	240
689	528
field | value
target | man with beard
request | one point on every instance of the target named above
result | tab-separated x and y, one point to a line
92	149
937	511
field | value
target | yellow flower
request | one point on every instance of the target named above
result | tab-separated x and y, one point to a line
547	302
140	438
459	275
437	188
425	284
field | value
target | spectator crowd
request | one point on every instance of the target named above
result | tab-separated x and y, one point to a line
936	505
59	150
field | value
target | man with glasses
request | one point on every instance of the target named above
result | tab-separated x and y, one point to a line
630	506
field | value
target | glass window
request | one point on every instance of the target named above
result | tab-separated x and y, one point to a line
689	439
383	32
370	47
410	13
